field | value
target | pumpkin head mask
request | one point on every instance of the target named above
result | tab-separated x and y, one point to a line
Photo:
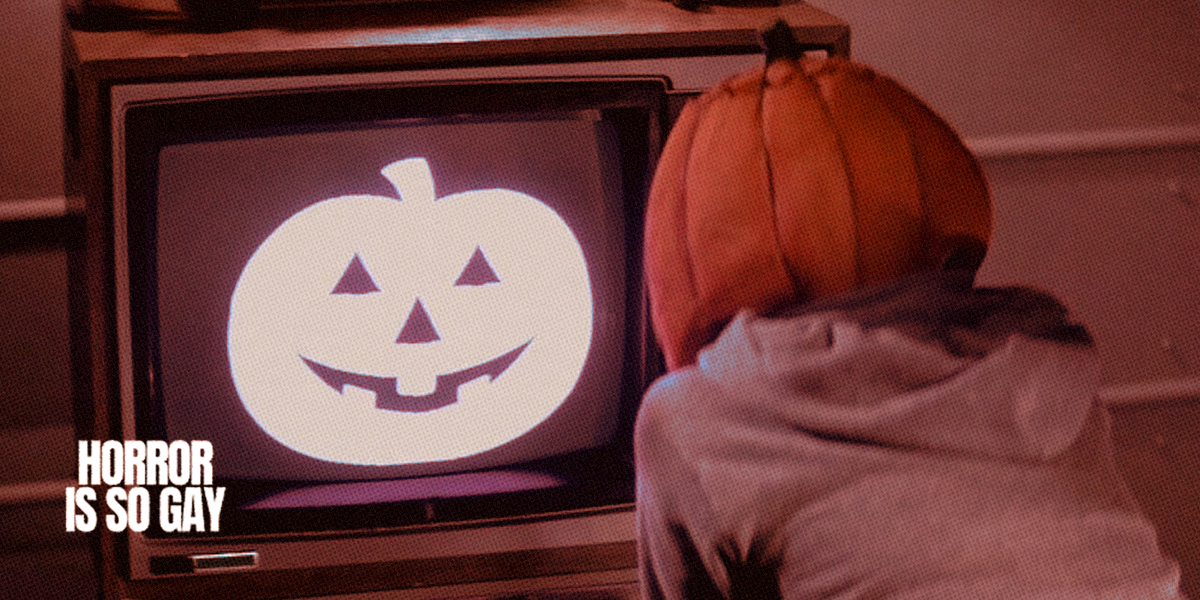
801	179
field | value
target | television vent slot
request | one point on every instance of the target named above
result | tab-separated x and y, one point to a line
227	561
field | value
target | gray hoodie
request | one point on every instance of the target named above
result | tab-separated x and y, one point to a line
921	440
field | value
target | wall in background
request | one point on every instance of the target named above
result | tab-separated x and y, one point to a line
1116	236
30	99
1032	67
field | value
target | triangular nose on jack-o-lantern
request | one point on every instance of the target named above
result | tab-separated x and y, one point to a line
801	179
418	329
376	330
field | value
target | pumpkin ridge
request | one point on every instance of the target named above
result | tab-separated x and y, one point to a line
826	67
928	232
730	229
693	319
947	229
667	255
798	286
886	182
916	154
812	191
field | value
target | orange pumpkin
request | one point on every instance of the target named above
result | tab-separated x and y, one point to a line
801	179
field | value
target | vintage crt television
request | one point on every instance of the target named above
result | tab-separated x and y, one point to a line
386	261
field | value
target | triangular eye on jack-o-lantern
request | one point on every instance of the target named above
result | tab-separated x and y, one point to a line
356	279
376	330
477	271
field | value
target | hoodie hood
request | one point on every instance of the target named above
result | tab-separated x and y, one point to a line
925	363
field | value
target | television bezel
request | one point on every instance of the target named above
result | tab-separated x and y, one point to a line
570	548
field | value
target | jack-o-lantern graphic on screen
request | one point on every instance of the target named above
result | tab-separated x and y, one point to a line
383	331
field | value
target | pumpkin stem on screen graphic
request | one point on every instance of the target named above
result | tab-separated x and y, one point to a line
801	179
412	179
384	331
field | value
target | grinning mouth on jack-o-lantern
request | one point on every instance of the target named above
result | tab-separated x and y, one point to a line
444	394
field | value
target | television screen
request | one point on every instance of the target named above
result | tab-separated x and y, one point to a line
403	298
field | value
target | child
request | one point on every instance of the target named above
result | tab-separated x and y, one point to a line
901	434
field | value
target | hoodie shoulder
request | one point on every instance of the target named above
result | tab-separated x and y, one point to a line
945	307
920	364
